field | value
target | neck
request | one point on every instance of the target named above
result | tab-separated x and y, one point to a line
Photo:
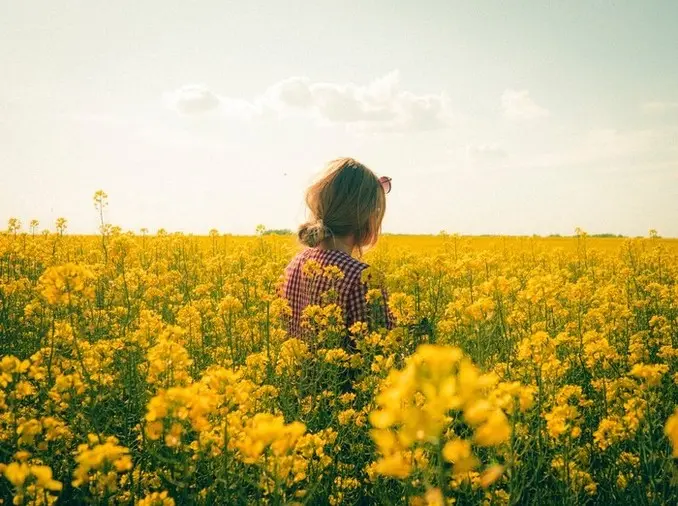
345	244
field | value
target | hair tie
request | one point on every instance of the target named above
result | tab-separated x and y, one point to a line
326	231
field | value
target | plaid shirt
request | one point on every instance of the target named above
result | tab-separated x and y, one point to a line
351	290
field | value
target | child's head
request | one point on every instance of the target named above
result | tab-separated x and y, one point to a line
348	201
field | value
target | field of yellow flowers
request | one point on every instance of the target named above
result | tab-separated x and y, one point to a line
156	370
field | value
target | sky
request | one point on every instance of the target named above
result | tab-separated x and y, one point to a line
491	117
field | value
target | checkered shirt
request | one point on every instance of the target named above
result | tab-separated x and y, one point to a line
351	289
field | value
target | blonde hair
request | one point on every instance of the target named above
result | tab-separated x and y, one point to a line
348	199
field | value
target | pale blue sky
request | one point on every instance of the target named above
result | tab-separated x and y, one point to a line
491	117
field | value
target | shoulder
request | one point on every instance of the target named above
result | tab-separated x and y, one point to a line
298	258
351	267
295	265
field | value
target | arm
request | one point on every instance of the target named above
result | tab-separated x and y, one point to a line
356	305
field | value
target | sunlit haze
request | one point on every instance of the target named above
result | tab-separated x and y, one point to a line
491	117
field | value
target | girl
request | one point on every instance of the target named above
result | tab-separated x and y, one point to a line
347	206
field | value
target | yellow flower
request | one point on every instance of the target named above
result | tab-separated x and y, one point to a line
157	499
17	473
336	356
66	283
651	373
345	417
459	453
671	431
394	465
311	269
97	456
333	273
477	412
28	430
266	430
192	404
495	431
491	474
43	475
229	305
373	295
559	419
292	354
169	360
434	497
402	308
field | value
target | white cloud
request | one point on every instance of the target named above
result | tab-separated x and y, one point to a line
659	107
242	109
192	99
351	103
347	103
198	100
518	105
424	112
291	92
380	105
485	152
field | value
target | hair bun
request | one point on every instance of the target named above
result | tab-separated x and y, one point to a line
313	233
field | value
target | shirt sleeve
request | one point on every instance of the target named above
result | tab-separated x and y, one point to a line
356	305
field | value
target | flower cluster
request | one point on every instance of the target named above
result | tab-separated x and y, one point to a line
158	369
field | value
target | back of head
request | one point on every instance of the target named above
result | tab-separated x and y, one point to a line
347	200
